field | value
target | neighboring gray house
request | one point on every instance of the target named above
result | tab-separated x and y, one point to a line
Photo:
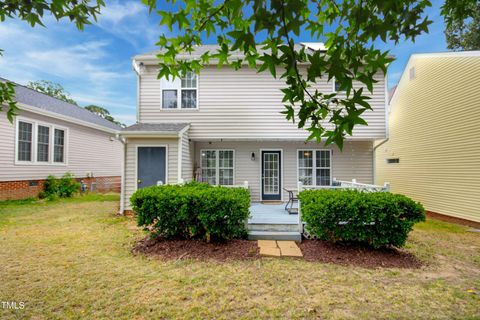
225	127
50	136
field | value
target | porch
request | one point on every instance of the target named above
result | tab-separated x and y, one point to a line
272	221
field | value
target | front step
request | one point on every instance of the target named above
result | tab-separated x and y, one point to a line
287	227
275	235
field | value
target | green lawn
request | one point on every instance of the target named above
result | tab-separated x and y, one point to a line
72	259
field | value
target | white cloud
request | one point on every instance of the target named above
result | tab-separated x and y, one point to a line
130	22
84	64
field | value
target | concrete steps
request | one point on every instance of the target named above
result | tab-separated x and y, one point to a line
275	235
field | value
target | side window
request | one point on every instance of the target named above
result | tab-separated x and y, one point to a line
24	143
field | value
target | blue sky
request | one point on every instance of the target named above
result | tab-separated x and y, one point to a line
95	65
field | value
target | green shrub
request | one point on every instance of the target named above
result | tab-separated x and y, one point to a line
67	186
194	210
64	187
377	218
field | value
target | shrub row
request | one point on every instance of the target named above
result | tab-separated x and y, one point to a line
194	210
65	187
377	218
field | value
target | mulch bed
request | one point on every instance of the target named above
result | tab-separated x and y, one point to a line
198	250
313	251
356	255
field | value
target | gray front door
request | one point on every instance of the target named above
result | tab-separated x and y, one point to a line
271	175
151	166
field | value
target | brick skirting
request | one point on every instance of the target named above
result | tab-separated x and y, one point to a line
22	189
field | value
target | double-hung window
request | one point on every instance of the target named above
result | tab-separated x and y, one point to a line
217	166
181	93
43	143
59	146
40	143
314	167
24	141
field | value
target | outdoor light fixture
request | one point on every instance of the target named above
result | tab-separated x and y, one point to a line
141	68
306	154
252	157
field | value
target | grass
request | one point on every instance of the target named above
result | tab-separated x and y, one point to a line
71	259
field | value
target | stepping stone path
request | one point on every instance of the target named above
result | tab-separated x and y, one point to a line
273	248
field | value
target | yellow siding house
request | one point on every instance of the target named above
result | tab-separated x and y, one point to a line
432	150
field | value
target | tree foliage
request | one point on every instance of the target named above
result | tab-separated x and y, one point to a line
104	113
52	89
352	30
465	34
79	12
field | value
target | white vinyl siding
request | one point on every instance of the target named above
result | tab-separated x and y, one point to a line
354	162
244	105
187	158
90	151
217	166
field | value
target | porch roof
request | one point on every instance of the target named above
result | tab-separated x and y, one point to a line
155	129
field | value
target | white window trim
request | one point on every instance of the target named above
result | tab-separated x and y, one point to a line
217	165
35	125
314	166
179	97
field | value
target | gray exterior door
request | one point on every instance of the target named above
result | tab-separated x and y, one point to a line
271	175
151	166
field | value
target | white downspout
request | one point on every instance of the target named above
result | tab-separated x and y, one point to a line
122	178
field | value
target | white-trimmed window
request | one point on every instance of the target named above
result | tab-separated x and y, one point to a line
336	86
314	167
59	146
24	141
218	166
181	93
43	144
40	143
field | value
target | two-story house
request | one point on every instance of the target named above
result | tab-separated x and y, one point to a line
224	127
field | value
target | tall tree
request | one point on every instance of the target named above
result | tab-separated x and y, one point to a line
104	113
465	34
353	31
52	89
78	12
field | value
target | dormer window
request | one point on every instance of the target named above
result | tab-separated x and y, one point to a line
180	93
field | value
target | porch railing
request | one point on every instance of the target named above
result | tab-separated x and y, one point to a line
339	184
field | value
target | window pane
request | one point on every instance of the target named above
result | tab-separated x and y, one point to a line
189	99
323	177
209	162
323	159
190	80
305	176
59	145
305	159
43	142
25	141
225	158
169	99
226	177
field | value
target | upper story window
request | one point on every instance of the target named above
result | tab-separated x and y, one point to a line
336	86
40	143
180	93
314	167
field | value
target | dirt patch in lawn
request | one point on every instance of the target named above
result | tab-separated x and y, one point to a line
355	255
198	250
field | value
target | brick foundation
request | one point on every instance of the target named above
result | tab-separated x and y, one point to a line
22	189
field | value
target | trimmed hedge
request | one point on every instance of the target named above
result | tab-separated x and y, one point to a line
375	218
194	210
